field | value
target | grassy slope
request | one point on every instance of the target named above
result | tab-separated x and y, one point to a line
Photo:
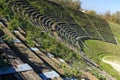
101	49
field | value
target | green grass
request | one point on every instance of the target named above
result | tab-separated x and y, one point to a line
113	58
116	30
108	68
96	48
102	49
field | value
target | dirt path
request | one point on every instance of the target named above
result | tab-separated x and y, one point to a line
114	64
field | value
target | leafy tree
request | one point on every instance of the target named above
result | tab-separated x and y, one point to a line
91	12
107	15
115	17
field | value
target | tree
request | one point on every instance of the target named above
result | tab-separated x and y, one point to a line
91	12
117	17
107	15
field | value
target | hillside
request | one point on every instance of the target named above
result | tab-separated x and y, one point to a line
57	32
105	50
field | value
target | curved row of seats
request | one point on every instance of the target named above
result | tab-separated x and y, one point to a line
53	9
85	24
70	32
95	26
103	28
67	31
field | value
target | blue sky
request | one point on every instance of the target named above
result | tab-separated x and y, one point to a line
101	6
